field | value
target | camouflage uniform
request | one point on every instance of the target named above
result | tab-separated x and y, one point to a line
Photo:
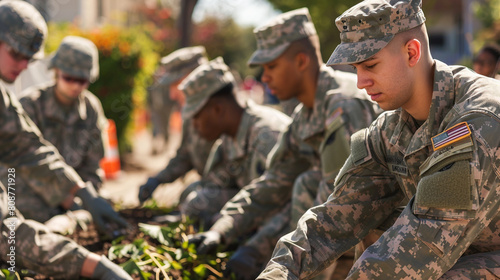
193	150
234	161
24	151
76	131
339	110
23	148
161	106
446	167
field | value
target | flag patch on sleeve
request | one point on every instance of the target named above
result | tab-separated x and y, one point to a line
451	135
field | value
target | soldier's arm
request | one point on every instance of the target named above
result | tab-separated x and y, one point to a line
457	197
365	195
90	169
181	163
265	195
22	147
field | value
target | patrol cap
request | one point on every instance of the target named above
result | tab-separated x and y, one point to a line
181	62
77	57
23	28
369	26
202	83
274	37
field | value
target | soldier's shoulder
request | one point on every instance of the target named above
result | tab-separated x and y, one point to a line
34	93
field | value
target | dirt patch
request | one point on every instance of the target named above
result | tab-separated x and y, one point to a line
91	241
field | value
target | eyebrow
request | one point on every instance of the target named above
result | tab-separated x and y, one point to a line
366	60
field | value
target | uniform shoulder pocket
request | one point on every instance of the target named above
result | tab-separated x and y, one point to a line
446	180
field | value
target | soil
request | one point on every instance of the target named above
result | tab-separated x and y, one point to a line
91	241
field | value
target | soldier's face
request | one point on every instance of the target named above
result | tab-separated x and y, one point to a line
282	77
207	121
387	78
12	63
68	88
485	64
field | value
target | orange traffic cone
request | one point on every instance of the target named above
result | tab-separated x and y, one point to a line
111	161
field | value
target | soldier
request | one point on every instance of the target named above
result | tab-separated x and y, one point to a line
332	109
161	106
247	135
26	243
71	118
194	150
487	61
438	149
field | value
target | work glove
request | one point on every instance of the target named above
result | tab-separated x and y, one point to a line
101	211
206	242
107	270
146	190
244	264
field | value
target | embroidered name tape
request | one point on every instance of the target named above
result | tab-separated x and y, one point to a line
451	135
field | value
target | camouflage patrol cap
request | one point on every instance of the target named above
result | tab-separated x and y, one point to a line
202	83
22	27
274	37
78	57
181	62
369	26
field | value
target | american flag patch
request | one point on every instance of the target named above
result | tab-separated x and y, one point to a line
451	135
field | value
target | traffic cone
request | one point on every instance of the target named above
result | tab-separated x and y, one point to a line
111	161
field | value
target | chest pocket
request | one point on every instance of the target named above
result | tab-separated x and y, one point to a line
334	150
446	181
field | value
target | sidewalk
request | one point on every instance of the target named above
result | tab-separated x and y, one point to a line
141	164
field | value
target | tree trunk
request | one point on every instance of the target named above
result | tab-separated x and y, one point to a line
186	22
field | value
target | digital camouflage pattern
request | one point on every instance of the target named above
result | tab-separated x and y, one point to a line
237	161
181	62
452	216
369	26
23	148
22	27
274	37
191	154
77	57
202	83
339	110
77	134
161	107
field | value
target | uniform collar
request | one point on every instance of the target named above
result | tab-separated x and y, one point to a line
443	99
315	117
238	146
55	110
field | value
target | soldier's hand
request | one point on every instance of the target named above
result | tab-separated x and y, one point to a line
107	270
206	242
102	213
244	264
146	190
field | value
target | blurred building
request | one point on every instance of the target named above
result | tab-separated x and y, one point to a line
92	13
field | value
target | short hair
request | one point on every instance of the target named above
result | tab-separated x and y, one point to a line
309	46
493	50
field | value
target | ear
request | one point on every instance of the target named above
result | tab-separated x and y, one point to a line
414	51
302	60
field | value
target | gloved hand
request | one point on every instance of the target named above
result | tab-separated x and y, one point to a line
207	241
107	270
146	190
101	211
244	263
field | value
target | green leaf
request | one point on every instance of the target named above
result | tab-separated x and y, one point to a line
176	265
162	234
201	270
130	267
